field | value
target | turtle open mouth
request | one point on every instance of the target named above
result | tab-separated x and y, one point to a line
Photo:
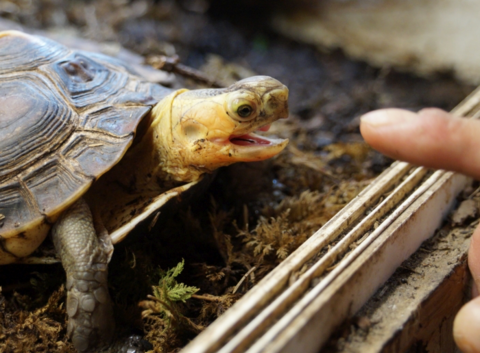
252	139
253	147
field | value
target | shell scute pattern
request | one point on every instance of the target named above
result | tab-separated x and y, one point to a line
21	52
114	120
66	117
84	81
34	120
51	184
94	152
16	206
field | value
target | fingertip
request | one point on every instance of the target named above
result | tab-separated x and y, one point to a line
389	130
466	327
386	117
432	138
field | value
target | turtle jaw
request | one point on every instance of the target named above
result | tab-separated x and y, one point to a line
258	151
252	147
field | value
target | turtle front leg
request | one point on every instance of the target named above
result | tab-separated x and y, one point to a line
85	259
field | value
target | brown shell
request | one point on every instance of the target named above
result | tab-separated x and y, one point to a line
66	117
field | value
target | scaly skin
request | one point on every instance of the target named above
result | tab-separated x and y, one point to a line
85	258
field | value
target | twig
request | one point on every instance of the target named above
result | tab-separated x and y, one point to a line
243	279
210	298
172	64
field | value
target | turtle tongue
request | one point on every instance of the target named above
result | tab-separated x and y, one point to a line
249	139
252	147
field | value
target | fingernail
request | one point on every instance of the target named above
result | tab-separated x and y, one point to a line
466	327
386	117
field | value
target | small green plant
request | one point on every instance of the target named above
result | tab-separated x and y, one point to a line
164	306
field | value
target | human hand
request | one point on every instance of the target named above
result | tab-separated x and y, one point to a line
435	139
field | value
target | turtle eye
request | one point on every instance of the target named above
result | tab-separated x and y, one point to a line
244	111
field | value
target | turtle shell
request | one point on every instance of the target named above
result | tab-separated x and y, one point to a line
66	117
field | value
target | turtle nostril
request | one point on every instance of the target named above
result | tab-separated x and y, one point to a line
272	104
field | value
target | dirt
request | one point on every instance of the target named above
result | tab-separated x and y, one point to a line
253	215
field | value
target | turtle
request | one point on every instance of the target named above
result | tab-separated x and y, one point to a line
89	150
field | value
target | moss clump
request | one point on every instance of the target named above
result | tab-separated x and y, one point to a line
40	330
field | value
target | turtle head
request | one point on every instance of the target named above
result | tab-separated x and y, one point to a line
212	128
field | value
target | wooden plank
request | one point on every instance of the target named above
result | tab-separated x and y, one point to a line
415	309
307	326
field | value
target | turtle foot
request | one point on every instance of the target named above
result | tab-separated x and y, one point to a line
85	259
